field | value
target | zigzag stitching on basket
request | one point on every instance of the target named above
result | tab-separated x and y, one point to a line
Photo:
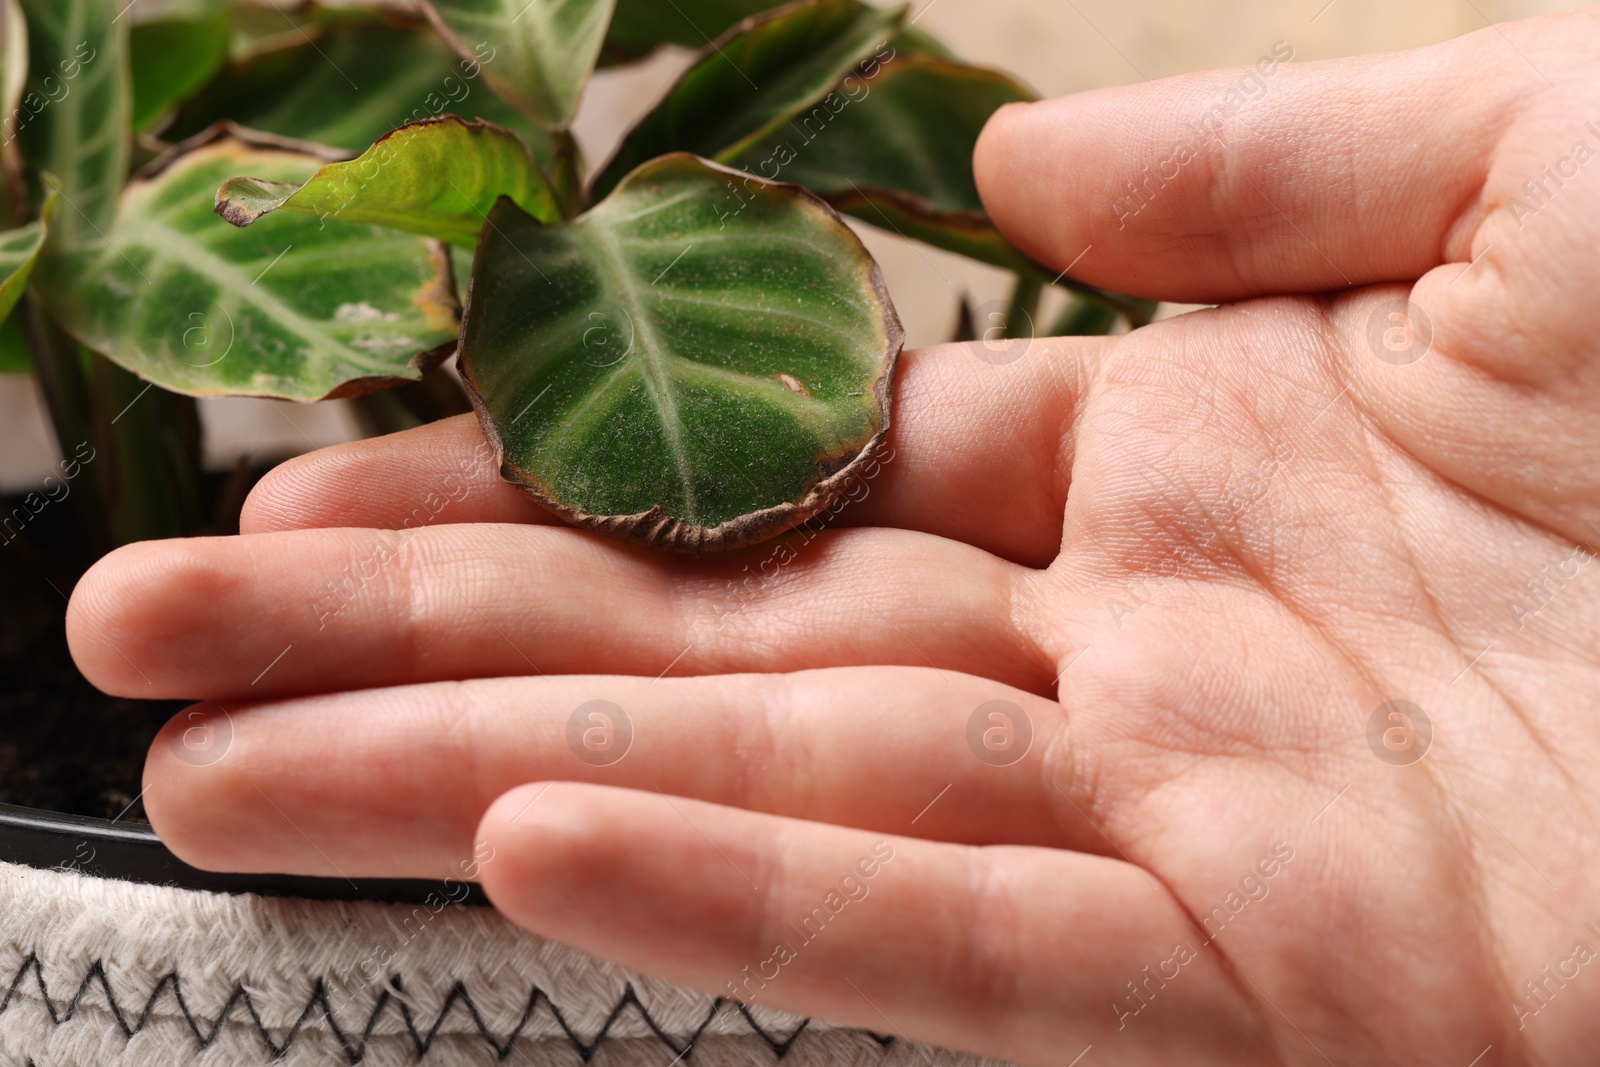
357	1052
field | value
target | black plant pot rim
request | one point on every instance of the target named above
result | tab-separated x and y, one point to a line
131	852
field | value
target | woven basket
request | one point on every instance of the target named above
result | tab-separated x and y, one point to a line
103	971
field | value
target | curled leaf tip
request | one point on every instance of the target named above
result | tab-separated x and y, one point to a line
242	201
438	177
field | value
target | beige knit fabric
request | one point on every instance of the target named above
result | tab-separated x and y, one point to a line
345	983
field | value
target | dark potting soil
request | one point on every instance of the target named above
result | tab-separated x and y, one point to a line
64	745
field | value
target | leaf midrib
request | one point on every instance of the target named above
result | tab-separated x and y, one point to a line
619	280
810	82
68	131
230	279
535	60
67	140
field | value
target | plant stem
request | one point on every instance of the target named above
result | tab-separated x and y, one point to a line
1084	317
966	329
383	413
59	371
61	377
1137	310
1143	311
566	174
1024	307
437	396
150	438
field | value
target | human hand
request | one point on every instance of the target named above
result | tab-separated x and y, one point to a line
1224	839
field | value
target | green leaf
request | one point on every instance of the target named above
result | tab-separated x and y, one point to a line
893	147
350	84
969	235
77	107
14	358
641	26
666	371
538	54
171	60
910	131
18	249
913	40
751	83
439	177
140	11
289	308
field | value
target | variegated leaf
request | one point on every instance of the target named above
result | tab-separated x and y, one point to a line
438	177
676	372
543	51
76	120
289	308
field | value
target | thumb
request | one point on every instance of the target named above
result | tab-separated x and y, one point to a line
1276	178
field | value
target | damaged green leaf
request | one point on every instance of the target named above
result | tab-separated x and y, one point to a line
695	365
289	308
438	177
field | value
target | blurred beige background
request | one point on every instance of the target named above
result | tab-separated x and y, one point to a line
1058	46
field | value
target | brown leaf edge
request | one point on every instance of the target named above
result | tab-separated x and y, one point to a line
228	130
976	226
422	362
439	296
867	203
835	471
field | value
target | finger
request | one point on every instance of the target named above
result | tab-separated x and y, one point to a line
314	610
393	782
1018	953
978	431
1278	178
441	472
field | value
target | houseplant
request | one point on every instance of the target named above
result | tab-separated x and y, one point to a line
675	349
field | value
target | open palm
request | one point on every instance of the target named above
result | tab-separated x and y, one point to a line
1219	693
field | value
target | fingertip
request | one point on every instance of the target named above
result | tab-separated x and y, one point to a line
441	472
631	876
1026	172
995	151
82	624
325	488
114	613
539	835
500	821
191	794
267	506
